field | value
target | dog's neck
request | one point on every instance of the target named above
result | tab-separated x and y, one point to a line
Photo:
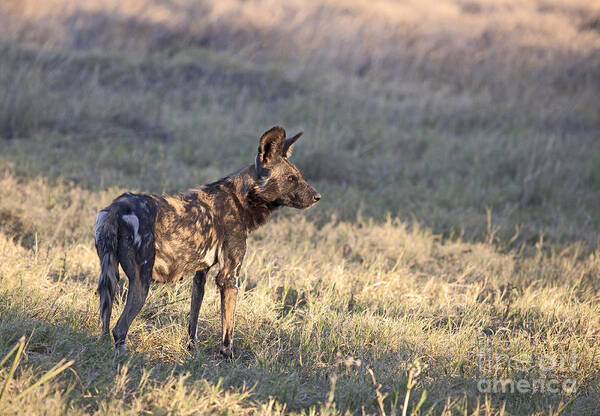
253	209
256	209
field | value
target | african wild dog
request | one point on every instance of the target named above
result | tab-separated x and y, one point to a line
164	238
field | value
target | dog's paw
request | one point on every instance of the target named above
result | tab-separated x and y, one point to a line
226	353
191	344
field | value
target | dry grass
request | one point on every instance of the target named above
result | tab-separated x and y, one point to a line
455	145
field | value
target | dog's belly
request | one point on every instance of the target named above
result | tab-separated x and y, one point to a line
184	237
173	261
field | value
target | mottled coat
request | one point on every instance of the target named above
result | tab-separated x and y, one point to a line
165	238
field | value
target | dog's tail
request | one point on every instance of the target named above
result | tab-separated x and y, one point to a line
106	234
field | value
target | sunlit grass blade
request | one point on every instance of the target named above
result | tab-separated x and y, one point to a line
20	345
7	356
53	372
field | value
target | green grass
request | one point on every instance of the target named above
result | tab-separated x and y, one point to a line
455	146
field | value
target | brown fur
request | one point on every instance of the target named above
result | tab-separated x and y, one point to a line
164	238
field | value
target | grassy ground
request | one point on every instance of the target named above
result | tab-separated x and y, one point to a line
456	147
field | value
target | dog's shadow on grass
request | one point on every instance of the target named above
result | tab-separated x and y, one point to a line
98	368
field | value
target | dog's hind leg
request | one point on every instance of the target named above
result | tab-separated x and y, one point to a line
140	277
197	296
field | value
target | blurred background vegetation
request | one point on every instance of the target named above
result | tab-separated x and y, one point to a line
443	113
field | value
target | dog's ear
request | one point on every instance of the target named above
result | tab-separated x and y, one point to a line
289	144
270	146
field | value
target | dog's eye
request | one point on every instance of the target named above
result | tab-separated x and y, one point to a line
291	178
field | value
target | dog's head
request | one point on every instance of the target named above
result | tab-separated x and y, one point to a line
279	181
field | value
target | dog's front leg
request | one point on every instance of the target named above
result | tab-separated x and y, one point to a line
228	303
228	286
230	262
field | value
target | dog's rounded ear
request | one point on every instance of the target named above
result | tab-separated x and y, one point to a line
289	144
270	146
